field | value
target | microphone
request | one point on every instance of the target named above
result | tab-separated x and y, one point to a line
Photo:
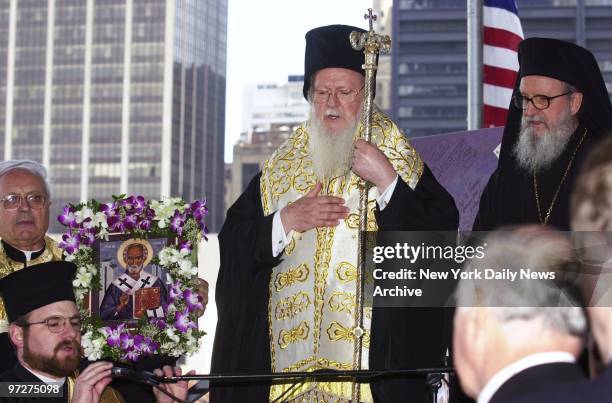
146	377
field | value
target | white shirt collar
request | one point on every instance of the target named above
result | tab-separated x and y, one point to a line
527	362
28	253
44	378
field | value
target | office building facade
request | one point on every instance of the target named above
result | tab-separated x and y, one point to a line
116	96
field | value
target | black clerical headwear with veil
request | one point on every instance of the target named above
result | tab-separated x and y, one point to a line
509	197
565	62
36	286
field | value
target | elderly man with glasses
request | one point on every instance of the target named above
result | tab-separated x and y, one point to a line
24	221
559	111
286	300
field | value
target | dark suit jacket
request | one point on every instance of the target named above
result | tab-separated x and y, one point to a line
596	391
539	379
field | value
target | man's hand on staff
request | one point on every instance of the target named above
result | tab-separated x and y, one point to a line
313	211
370	164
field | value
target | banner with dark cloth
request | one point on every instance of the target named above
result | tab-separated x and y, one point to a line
462	162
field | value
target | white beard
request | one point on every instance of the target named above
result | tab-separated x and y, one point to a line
534	153
331	153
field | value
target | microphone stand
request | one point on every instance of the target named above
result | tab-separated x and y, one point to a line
356	376
288	377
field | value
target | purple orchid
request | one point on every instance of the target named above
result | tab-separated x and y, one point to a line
182	322
131	355
109	209
145	224
160	323
69	243
117	225
144	345
193	300
68	218
87	237
139	203
199	209
130	221
175	291
127	341
87	223
186	245
113	335
177	222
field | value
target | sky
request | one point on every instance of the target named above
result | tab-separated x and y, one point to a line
266	44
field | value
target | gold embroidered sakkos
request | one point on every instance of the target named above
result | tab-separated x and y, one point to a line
318	335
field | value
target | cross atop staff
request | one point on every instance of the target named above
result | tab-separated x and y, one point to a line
371	17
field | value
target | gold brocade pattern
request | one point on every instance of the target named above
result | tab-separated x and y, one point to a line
292	276
305	316
336	332
289	307
342	302
346	272
322	256
289	248
287	337
352	221
51	253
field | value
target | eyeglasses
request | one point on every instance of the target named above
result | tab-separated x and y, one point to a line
56	324
540	102
13	201
343	95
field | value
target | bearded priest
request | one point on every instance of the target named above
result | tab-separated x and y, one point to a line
286	286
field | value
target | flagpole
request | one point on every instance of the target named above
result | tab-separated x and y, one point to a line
474	63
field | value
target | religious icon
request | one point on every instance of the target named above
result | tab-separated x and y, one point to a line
130	285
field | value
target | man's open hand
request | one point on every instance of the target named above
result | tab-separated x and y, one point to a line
313	211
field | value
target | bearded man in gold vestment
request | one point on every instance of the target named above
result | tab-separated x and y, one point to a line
286	291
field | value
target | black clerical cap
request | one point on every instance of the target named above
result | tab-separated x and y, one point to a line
329	46
574	65
36	286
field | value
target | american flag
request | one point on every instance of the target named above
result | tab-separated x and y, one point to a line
502	33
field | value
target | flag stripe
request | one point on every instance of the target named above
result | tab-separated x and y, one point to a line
502	33
501	38
495	117
500	57
496	76
496	96
502	19
506	5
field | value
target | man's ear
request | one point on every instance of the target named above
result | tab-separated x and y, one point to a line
575	102
16	335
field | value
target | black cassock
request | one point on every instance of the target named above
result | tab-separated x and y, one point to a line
400	337
20	374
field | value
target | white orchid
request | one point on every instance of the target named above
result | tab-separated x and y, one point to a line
92	347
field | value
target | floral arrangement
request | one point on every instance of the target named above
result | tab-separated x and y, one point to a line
173	335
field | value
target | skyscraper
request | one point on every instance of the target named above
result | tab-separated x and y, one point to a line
429	55
116	96
270	113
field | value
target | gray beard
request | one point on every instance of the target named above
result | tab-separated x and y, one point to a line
331	153
534	153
